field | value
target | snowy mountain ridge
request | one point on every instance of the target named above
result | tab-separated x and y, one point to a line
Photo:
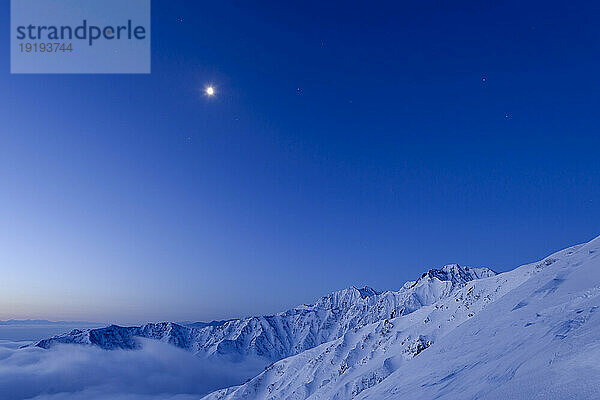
456	332
530	333
272	338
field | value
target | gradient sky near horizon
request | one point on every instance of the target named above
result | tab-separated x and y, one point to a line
349	143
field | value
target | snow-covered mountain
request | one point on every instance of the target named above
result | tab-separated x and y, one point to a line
455	333
531	333
271	338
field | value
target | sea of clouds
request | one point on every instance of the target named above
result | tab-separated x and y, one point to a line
69	372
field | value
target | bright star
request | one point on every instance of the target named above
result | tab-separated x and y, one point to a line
210	91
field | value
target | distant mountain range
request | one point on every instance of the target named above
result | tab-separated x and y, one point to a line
45	322
456	332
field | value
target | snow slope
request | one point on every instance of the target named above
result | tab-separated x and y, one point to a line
540	341
531	333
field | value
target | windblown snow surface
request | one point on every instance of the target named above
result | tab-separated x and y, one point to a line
455	333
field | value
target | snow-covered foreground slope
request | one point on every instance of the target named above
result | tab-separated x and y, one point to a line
263	340
531	333
540	341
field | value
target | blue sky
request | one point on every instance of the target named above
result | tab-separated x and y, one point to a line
348	143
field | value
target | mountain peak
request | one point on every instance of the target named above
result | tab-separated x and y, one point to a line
346	297
458	274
